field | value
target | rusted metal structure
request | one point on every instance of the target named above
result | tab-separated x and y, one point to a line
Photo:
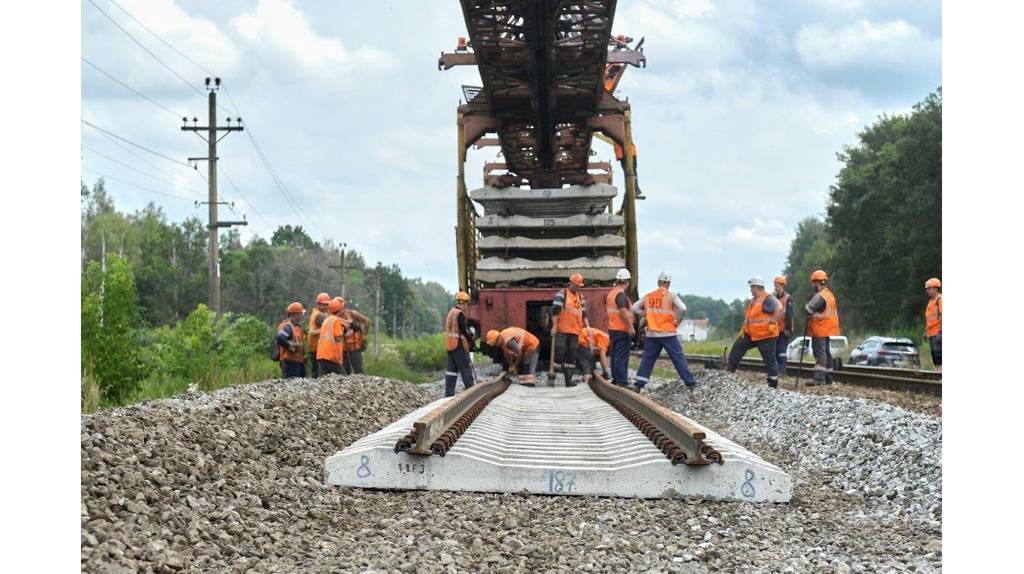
549	70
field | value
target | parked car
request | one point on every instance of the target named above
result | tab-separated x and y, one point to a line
837	343
886	352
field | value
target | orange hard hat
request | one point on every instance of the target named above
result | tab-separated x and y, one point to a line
341	301
323	298
933	282
781	279
576	279
334	306
819	275
492	337
462	296
296	307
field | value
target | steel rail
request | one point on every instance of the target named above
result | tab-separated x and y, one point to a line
681	441
876	377
438	430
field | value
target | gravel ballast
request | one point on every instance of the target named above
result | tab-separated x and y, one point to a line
233	481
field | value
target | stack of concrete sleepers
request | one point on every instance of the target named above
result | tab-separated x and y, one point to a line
544	235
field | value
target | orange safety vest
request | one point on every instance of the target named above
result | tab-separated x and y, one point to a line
660	311
757	324
329	348
615	322
312	339
933	316
601	340
570	318
826	323
526	340
353	338
783	302
287	354
619	152
451	329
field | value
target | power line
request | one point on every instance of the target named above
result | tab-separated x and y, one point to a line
142	187
244	198
140	146
157	36
136	92
147	50
149	175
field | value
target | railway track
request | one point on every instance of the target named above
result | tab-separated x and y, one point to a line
912	380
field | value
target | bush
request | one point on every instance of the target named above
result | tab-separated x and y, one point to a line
110	318
424	354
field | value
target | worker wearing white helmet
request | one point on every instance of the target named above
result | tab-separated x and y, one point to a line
620	327
663	310
763	316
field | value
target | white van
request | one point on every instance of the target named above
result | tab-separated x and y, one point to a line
838	344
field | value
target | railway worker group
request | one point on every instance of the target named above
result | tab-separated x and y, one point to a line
769	322
333	343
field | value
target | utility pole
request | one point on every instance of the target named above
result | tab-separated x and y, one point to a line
211	158
376	312
342	267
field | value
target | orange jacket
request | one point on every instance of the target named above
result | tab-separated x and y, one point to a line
826	323
933	316
601	340
757	324
451	329
311	339
660	311
331	345
526	340
570	318
615	322
287	354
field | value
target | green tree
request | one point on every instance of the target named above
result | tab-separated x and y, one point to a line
110	317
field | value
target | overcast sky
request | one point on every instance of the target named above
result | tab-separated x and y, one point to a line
738	118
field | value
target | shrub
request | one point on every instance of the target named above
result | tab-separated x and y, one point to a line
110	318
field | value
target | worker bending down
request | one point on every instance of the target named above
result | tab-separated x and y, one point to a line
520	348
593	349
569	310
933	320
290	343
355	340
663	309
331	346
823	324
458	342
762	316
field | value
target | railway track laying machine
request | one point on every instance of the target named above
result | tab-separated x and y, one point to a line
549	71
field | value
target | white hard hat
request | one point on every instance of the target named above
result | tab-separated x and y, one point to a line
755	281
664	276
622	275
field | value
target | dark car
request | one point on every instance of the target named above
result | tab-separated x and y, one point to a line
886	352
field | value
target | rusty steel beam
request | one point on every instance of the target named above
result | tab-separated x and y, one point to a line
449	60
439	429
678	439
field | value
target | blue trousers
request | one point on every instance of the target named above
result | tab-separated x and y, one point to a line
620	356
652	350
780	354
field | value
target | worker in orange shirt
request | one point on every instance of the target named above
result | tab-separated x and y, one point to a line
823	324
316	318
933	320
593	349
520	348
290	343
331	345
569	311
355	339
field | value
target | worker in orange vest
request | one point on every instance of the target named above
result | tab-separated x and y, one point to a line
569	311
620	155
762	316
458	342
933	320
316	318
330	350
355	340
822	325
620	327
291	344
593	349
663	310
520	348
788	326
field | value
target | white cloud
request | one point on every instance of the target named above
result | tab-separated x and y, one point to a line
770	235
279	25
865	43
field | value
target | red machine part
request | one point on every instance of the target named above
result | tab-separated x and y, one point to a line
525	307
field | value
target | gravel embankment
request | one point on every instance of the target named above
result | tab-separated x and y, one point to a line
232	481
